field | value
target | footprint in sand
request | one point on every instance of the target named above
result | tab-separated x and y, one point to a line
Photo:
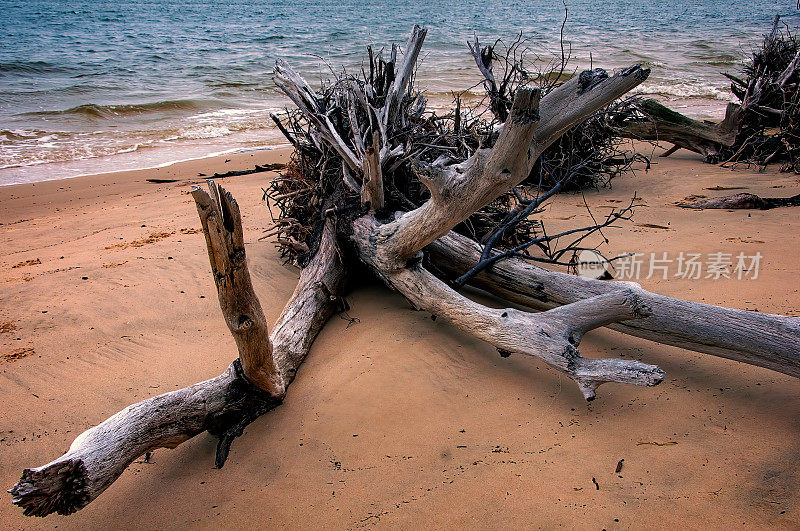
152	238
17	354
27	263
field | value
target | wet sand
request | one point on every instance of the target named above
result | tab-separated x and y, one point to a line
394	421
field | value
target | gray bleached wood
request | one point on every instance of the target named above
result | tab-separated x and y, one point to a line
296	88
460	189
534	123
224	405
761	339
551	336
404	73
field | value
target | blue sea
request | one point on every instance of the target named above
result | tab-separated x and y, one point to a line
94	85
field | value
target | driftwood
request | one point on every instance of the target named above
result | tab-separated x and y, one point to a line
372	192
760	129
740	201
223	406
257	169
589	154
750	337
652	121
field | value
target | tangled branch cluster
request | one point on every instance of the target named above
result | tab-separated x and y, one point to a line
323	181
589	154
769	95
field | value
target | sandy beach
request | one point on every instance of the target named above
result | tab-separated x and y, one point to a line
395	420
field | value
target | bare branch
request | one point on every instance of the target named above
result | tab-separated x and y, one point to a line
224	405
551	336
404	73
296	88
756	338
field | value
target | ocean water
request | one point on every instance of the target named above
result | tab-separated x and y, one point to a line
96	85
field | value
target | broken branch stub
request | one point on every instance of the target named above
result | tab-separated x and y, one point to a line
222	226
372	186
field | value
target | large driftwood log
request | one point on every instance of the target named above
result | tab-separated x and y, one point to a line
760	128
661	124
225	405
755	338
458	190
391	248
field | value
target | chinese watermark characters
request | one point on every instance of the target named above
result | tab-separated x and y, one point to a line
663	265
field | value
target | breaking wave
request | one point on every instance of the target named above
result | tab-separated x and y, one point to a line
110	111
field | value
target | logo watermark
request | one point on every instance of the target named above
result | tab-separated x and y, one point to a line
683	265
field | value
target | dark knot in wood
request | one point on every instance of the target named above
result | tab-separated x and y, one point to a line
588	79
244	403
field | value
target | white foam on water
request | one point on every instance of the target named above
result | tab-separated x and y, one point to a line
687	90
207	131
157	154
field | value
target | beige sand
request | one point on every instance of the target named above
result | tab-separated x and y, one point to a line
397	420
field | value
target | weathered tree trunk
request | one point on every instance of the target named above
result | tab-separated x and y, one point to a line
740	201
661	124
761	339
225	405
459	190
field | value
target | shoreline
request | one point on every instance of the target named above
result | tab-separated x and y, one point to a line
51	170
42	196
147	157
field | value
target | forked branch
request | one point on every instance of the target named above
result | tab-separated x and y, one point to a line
551	336
224	405
761	339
